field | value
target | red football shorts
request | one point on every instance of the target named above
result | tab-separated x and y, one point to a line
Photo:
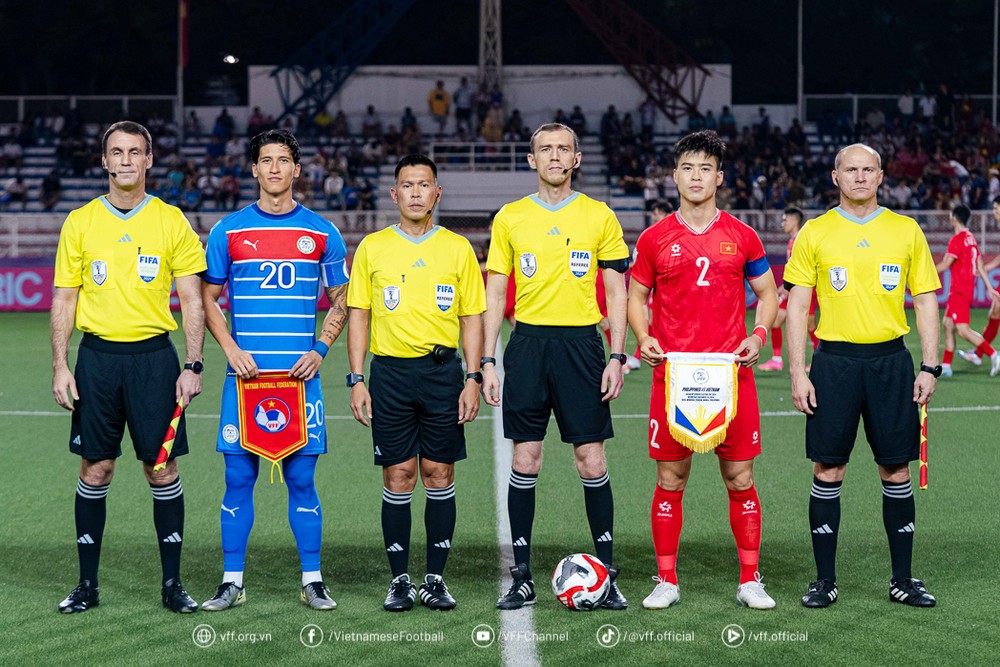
742	437
958	308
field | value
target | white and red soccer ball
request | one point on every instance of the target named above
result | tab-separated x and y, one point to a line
581	582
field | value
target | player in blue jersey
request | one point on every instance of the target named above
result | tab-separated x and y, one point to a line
273	255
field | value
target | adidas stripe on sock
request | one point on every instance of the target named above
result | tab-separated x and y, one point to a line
90	509
396	522
898	515
168	518
521	511
439	522
824	524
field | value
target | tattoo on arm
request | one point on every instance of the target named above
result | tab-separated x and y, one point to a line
336	317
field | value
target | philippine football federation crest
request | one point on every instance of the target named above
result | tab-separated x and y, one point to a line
890	275
445	296
99	271
579	262
272	415
148	267
390	296
230	433
305	244
528	264
838	278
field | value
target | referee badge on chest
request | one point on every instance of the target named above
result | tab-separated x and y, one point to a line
148	267
99	271
889	275
838	278
390	296
445	296
529	264
579	262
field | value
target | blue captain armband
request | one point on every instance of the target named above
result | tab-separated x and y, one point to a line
321	348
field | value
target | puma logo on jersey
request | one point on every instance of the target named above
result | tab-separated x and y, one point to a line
252	244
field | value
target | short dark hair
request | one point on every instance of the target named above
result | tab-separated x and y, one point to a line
704	141
128	127
996	200
962	213
796	211
555	127
282	137
663	205
415	160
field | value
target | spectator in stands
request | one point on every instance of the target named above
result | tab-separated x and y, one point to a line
514	129
561	117
944	109
875	119
12	155
340	128
481	104
762	123
647	119
50	191
710	122
393	142
333	188
224	125
255	122
366	195
727	123
192	125
236	149
463	106
979	191
492	130
323	122
372	154
371	126
905	106
215	150
611	128
210	186
14	190
928	106
192	196
578	122
439	105
351	200
994	184
412	140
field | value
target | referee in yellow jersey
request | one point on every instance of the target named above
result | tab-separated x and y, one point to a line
116	261
860	258
418	287
554	241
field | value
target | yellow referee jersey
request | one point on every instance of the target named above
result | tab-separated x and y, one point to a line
416	289
125	265
553	251
860	268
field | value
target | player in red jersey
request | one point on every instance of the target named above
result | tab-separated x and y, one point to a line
790	222
993	322
695	262
964	261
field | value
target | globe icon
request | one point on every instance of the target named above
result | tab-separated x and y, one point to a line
203	636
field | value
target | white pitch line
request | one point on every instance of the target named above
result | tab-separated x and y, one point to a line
517	628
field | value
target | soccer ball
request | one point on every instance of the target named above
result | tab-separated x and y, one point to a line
581	582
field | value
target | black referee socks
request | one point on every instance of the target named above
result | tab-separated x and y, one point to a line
824	522
168	518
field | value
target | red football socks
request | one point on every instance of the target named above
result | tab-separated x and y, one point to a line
667	518
744	519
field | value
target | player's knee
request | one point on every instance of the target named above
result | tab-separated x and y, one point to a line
828	473
895	474
240	478
438	475
400	479
738	481
527	460
160	477
97	473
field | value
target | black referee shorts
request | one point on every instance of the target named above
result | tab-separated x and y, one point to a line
415	409
871	381
125	383
555	369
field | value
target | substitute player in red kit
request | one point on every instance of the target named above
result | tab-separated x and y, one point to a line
695	262
964	261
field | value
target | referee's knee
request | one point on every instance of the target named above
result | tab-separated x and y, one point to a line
160	477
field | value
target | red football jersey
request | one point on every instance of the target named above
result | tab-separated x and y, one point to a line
965	250
699	298
788	252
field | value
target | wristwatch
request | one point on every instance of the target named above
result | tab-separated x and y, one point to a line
933	370
487	360
620	358
477	376
354	378
195	367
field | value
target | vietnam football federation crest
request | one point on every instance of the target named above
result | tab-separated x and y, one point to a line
579	262
445	296
148	267
701	396
99	271
390	296
890	275
272	415
305	244
838	278
529	264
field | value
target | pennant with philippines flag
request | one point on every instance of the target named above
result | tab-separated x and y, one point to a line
272	409
701	398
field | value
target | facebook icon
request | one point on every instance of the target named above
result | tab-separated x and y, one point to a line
311	636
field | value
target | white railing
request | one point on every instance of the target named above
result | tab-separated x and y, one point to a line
472	156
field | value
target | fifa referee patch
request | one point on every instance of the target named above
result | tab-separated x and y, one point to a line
727	248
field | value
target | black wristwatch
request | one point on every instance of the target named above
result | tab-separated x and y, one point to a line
933	370
477	376
487	360
354	378
620	358
195	367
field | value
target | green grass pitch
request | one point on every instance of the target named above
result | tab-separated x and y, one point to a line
955	553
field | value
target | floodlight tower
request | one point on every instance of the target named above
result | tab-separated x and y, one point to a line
490	47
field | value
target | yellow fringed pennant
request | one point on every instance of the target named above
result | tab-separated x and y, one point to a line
272	417
701	396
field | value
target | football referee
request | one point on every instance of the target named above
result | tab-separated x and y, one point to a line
860	258
416	285
554	241
116	261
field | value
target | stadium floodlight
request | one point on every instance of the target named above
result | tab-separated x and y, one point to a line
230	59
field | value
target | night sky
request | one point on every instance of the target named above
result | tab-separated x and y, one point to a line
127	47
